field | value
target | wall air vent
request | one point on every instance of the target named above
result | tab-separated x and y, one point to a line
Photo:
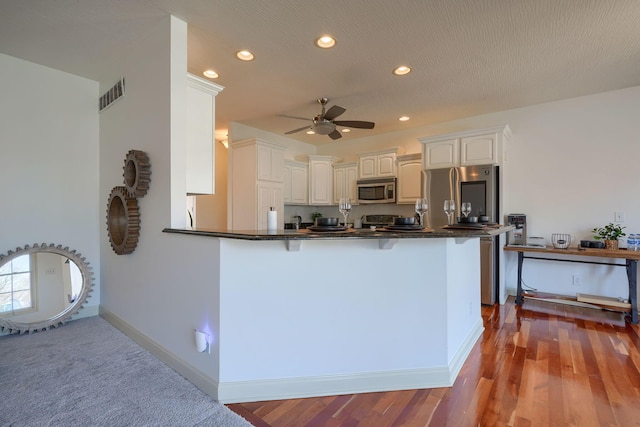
112	95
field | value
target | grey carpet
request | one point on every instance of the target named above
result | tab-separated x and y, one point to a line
87	373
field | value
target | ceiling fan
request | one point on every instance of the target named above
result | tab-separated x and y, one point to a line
325	123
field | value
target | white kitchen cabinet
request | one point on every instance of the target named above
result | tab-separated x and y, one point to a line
269	195
321	179
441	154
295	183
409	178
345	176
476	147
379	164
256	183
479	150
200	168
270	162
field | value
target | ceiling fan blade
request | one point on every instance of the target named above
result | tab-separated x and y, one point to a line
297	130
292	117
355	124
334	112
335	134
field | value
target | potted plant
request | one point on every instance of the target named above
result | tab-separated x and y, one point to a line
610	234
314	216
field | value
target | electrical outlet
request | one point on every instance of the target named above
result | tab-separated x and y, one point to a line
619	216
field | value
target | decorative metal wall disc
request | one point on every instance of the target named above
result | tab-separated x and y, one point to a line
137	173
123	221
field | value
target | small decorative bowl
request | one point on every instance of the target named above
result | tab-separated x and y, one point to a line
404	221
468	219
327	222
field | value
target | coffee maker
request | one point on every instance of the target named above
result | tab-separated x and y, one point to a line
517	236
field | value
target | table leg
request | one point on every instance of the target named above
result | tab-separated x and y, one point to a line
632	275
519	293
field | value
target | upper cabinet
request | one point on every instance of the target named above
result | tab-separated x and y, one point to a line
345	176
321	179
378	164
295	182
200	141
409	178
477	147
270	159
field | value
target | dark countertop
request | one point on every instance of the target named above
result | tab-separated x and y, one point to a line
361	233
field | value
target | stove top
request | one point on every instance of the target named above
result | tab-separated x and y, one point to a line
378	220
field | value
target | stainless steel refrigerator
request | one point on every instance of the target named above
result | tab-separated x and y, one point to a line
479	186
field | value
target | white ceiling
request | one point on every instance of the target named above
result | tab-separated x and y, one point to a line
469	57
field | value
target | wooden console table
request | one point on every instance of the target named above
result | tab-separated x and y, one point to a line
631	264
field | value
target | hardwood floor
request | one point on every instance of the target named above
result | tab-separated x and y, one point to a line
542	364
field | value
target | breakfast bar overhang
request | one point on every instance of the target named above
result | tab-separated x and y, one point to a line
342	313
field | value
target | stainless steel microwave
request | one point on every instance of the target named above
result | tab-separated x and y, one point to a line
382	190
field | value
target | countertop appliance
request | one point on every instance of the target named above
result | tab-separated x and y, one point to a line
376	190
517	236
479	186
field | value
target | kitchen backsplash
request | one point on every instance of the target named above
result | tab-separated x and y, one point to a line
357	211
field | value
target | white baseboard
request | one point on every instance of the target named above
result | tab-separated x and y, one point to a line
463	352
331	385
367	382
194	376
299	387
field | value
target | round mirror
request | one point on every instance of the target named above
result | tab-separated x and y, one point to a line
41	287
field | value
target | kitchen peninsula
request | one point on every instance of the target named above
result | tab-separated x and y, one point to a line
309	314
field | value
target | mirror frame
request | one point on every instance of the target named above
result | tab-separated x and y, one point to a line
62	317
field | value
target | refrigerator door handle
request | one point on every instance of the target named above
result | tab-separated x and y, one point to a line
452	180
426	193
457	187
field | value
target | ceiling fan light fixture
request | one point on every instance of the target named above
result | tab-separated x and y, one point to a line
245	55
210	74
324	128
325	42
402	70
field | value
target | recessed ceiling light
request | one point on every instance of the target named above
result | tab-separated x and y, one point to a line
325	42
310	132
346	130
211	74
402	70
245	55
403	118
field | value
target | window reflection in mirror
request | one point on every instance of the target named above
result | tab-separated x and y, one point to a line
15	286
37	286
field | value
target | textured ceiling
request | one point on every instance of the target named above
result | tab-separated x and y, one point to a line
469	57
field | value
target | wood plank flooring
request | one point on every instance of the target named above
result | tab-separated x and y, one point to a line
542	364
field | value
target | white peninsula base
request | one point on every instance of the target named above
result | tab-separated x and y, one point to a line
343	316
